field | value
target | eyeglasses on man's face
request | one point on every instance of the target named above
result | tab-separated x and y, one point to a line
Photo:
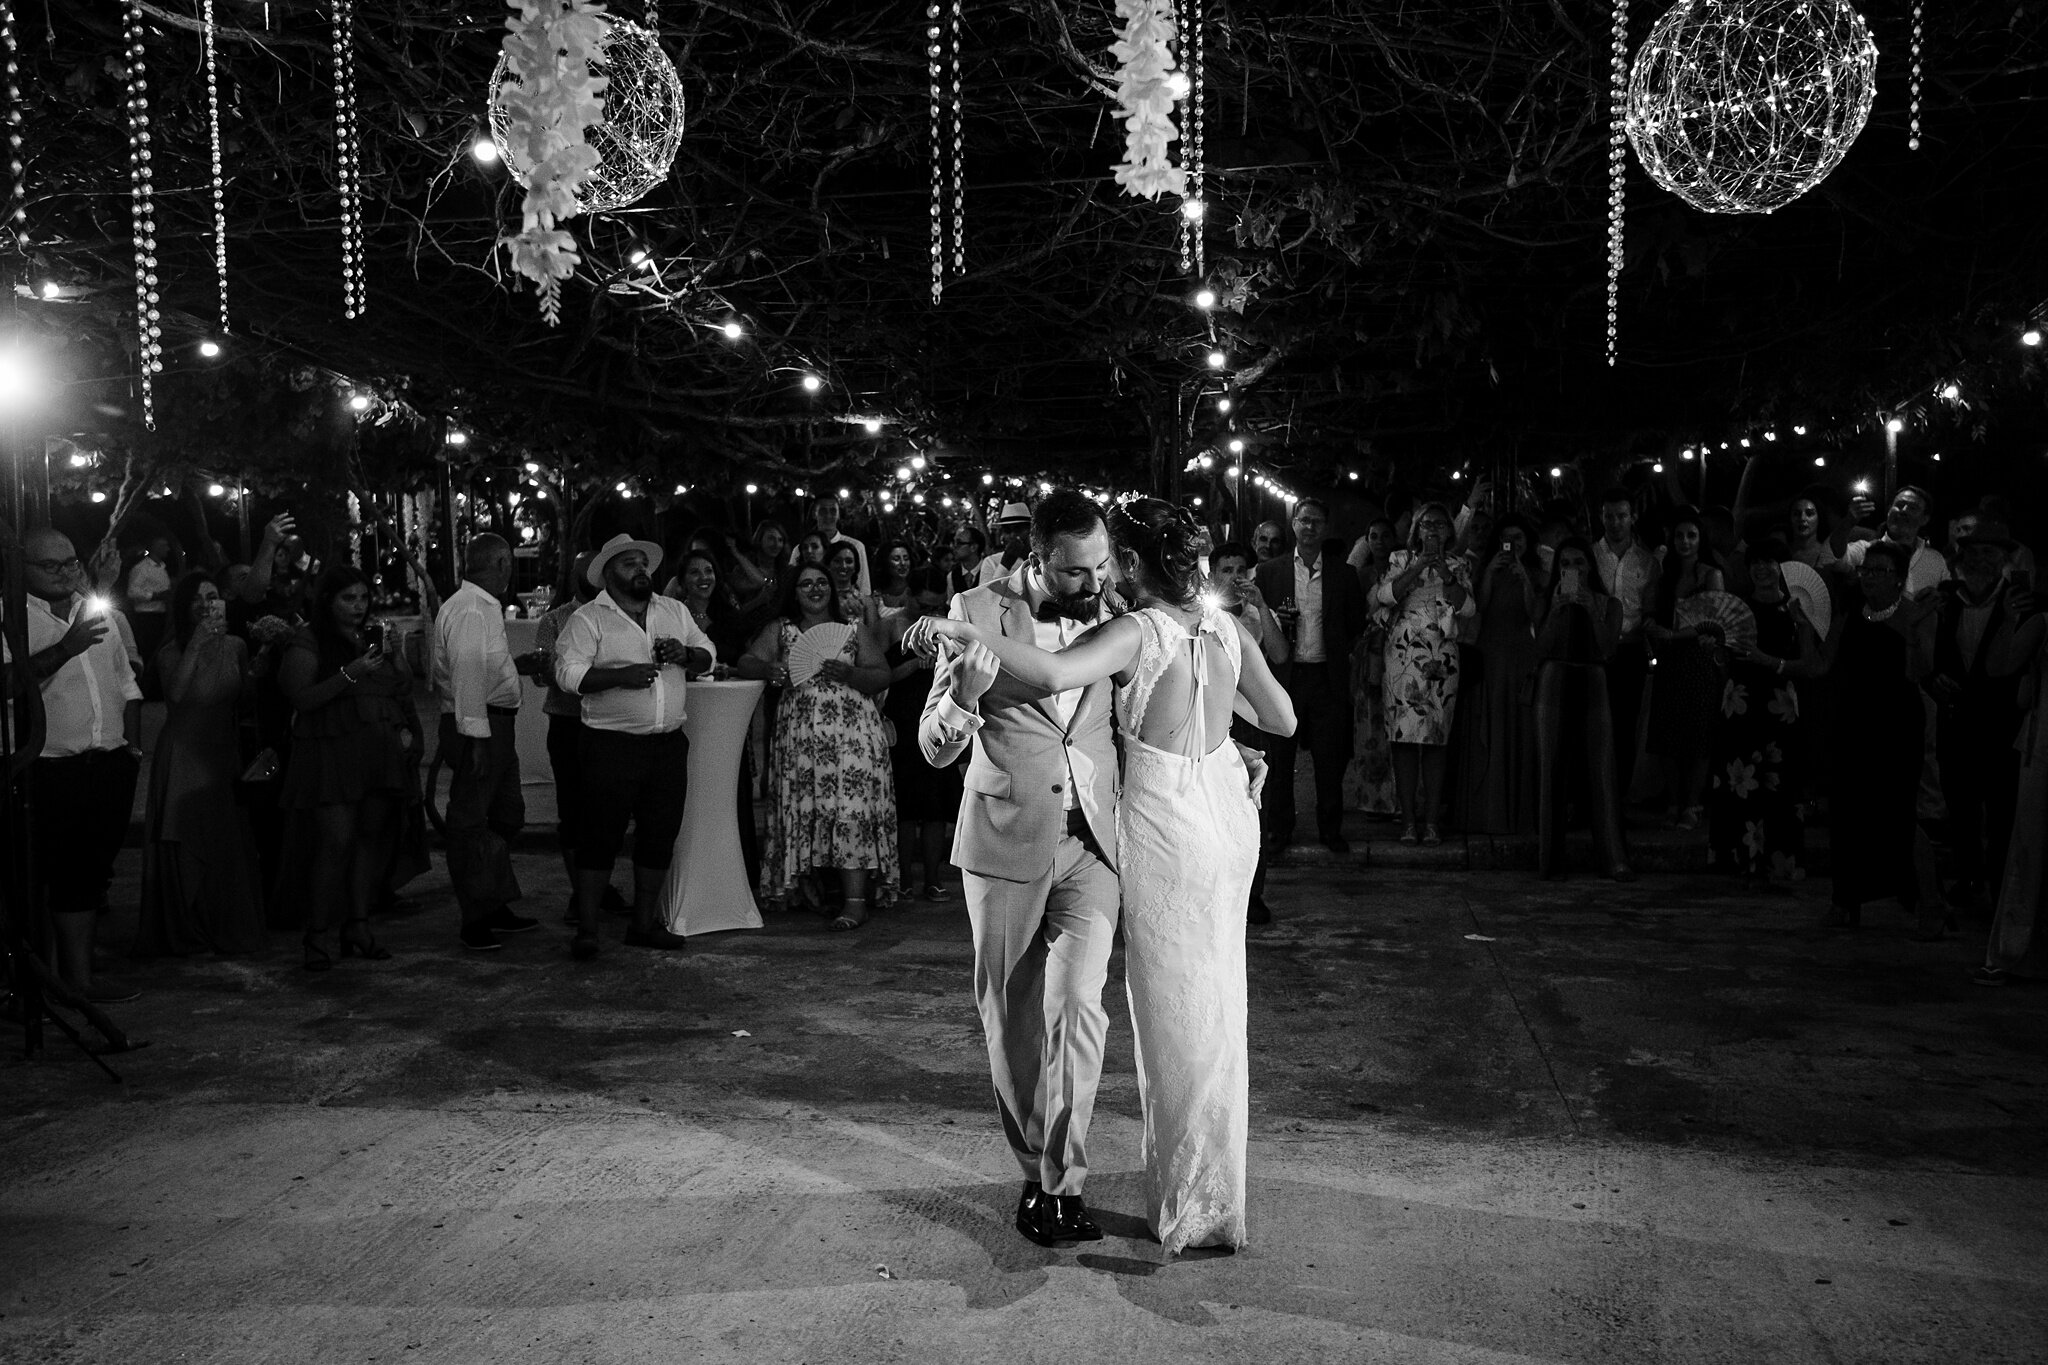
56	566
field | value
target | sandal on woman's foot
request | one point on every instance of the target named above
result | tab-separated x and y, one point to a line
1408	834
846	919
317	959
1431	835
360	944
935	892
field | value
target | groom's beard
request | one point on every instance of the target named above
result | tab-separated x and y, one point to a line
1079	606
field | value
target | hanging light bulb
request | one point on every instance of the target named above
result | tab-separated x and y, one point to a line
360	402
97	496
1686	453
1556	472
799	492
845	492
1951	392
1223	405
812	383
1770	436
50	289
917	462
1193	209
1353	475
619	487
2031	337
458	438
533	466
1657	468
1217	360
214	490
1799	431
733	331
752	489
1237	445
1177	84
1820	462
872	425
987	480
485	151
904	473
1234	471
79	459
1745	443
1895	426
1205	298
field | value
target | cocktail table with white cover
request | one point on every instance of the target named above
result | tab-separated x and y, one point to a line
707	891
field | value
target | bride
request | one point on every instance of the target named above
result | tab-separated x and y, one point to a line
1187	839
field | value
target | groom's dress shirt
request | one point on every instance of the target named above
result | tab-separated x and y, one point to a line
1052	637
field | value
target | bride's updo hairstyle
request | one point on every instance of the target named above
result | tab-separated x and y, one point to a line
1163	539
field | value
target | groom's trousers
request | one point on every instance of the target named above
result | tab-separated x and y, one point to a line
1041	958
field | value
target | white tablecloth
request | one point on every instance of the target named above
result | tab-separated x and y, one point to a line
707	891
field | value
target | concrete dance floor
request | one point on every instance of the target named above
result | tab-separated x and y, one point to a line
1492	1121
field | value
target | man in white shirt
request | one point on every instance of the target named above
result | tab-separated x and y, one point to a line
1629	573
1316	594
479	690
1013	528
83	783
825	516
1908	515
627	653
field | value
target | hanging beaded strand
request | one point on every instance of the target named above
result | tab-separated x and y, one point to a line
220	199
938	208
348	162
17	181
959	159
1197	161
1617	175
142	208
1182	10
1913	131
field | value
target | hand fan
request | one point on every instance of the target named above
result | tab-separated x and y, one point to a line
1805	586
820	643
1724	610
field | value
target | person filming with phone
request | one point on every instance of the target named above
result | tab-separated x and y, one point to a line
354	761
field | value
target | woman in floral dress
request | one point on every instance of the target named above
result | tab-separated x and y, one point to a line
1369	778
1424	592
1755	824
832	800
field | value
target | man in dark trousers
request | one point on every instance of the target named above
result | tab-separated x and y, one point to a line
1316	594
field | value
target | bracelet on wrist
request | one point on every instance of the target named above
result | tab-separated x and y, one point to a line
351	678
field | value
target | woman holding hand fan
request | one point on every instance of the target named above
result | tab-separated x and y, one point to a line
832	801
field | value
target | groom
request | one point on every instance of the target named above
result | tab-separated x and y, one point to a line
1036	844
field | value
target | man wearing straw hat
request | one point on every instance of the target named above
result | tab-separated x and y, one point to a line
627	653
1013	528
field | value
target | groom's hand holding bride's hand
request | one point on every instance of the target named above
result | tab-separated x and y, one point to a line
1255	765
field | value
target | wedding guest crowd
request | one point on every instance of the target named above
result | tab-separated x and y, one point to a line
1460	669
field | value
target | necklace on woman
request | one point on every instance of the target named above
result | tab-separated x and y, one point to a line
1873	614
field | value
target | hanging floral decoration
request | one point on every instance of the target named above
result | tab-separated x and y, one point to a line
1145	95
549	48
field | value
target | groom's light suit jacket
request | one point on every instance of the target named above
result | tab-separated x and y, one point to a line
1014	808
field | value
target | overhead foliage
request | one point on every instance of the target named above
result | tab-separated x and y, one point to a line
1405	234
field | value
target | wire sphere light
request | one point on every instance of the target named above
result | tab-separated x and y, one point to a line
643	120
1741	106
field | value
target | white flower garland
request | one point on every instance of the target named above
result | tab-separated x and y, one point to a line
1145	97
550	45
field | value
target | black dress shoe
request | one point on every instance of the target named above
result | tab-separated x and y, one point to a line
1074	1223
1336	843
1038	1215
480	938
505	922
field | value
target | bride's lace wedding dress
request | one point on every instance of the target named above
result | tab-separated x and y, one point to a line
1187	835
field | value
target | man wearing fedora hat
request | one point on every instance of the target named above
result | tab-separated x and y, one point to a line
627	653
1014	529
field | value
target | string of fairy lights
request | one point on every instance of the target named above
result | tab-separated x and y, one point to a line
208	40
148	318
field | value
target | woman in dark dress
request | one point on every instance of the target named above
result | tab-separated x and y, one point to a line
1498	769
1874	746
199	865
1685	686
1755	820
927	798
1574	725
355	760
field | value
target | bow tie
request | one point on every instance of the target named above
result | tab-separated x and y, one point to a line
1045	611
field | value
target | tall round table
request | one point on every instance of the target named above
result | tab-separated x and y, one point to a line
706	891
